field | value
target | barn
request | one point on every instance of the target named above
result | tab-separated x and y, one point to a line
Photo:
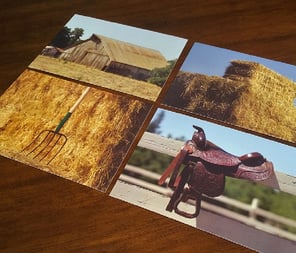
115	56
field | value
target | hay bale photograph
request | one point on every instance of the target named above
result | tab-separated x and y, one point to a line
75	131
245	91
96	51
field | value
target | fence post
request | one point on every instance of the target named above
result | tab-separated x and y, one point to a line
254	206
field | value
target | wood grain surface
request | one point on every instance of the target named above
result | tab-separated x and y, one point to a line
40	212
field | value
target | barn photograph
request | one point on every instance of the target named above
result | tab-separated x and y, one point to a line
116	57
111	55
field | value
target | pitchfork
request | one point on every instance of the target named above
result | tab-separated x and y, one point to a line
48	143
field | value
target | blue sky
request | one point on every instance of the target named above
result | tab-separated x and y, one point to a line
169	46
210	60
232	141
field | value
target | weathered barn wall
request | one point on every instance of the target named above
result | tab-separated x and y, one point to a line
127	70
89	53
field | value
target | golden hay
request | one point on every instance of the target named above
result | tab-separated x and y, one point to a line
96	77
267	104
211	96
249	96
99	132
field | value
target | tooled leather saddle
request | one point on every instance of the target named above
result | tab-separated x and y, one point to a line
206	166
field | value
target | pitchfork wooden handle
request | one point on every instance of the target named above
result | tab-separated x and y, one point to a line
72	109
78	101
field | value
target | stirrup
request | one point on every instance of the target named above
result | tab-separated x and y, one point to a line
186	195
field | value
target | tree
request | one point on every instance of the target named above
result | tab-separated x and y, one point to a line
148	159
159	75
67	37
75	35
155	124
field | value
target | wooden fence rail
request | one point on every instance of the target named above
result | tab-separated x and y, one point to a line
286	183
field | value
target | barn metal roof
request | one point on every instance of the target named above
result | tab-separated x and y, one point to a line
131	54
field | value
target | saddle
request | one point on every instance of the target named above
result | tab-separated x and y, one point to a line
205	168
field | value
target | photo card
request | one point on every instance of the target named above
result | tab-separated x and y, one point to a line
213	177
76	131
111	55
241	90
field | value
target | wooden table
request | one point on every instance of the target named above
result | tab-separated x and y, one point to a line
40	212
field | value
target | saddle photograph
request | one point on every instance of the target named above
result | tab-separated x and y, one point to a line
206	166
210	176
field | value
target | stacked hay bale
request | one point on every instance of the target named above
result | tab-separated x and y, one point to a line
266	105
210	96
249	96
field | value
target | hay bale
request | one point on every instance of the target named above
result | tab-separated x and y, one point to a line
249	95
174	95
240	69
266	106
210	96
99	132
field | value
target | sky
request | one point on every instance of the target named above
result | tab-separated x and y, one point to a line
210	60
169	46
232	141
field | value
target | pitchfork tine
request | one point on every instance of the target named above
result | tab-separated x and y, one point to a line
46	144
35	140
49	142
64	143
